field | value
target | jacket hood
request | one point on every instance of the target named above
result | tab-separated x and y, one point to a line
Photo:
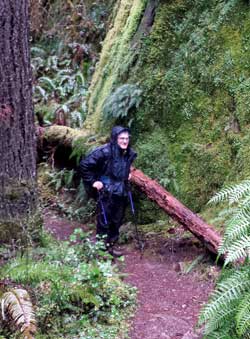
116	130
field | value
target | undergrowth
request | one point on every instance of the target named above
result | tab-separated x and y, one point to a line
63	191
76	289
60	86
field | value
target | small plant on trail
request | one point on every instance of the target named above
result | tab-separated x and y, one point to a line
227	313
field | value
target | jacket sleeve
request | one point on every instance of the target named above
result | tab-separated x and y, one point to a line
89	167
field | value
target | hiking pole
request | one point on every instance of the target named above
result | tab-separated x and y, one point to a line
138	238
102	208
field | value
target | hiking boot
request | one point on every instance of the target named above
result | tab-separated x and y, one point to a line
115	251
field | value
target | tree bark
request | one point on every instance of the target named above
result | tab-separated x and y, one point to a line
17	132
176	210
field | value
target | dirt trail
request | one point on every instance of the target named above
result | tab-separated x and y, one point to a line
168	300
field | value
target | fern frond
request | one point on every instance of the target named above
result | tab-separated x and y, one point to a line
80	79
226	292
49	83
232	193
118	104
236	228
41	92
218	319
243	316
223	334
238	249
37	50
84	295
77	119
245	203
229	307
19	308
239	225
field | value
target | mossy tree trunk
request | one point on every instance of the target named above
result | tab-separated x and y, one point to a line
17	132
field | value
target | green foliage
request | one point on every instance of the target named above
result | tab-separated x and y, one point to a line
62	178
77	205
59	83
121	102
76	287
224	312
81	146
227	312
236	241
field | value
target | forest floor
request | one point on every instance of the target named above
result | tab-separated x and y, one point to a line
170	293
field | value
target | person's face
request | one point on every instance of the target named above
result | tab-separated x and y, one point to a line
123	140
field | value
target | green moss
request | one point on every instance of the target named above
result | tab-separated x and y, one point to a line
116	58
241	166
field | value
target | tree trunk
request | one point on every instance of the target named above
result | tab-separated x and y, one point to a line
176	210
17	132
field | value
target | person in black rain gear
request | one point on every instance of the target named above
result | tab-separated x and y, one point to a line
107	169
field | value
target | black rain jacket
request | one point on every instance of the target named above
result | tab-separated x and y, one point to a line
109	164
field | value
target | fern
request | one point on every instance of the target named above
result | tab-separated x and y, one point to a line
17	305
226	292
40	92
242	220
238	249
37	51
227	313
76	119
48	83
221	318
232	193
60	81
118	104
68	177
243	316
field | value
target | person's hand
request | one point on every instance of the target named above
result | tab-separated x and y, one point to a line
98	185
129	176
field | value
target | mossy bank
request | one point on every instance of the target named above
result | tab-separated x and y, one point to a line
190	59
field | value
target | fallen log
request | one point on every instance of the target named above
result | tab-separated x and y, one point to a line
177	211
59	135
65	136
